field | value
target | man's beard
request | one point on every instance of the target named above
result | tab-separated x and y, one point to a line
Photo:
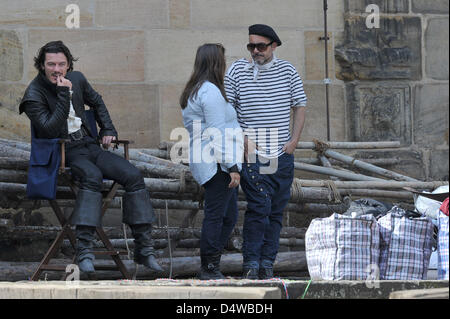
261	59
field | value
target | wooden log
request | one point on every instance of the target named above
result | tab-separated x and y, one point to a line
372	184
14	163
158	243
374	161
24	146
149	159
13	176
305	194
235	244
49	232
312	145
8	151
181	267
351	145
378	194
326	163
152	184
312	160
368	167
334	172
154	152
301	208
153	170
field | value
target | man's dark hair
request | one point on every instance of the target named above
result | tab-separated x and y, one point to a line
53	47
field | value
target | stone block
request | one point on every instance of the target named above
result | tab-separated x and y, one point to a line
104	55
133	13
135	290
316	120
439	165
391	6
315	55
289	13
11	95
435	293
11	56
49	13
14	126
392	51
180	13
134	111
167	63
431	112
170	110
380	112
427	6
436	47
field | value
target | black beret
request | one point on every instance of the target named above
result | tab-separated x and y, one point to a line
265	31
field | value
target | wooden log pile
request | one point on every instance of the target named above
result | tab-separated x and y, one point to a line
173	188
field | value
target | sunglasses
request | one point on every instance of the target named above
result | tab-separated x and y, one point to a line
260	46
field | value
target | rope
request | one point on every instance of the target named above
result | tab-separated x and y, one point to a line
297	193
306	290
125	231
320	146
168	240
126	242
333	190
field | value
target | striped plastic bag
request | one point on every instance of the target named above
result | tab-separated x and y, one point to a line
405	246
342	247
443	247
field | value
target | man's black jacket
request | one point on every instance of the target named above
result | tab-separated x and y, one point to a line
48	105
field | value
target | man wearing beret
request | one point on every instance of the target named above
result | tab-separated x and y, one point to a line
263	91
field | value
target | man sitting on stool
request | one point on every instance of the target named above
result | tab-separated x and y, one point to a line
54	102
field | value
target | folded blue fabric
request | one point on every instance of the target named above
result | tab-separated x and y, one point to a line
45	159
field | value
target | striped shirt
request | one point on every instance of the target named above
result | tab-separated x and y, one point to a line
263	97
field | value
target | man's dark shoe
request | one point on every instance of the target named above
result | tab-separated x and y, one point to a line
250	273
149	262
265	273
86	266
210	268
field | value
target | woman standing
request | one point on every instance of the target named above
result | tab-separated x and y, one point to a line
216	152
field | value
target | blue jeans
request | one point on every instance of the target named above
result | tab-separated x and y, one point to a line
220	214
267	196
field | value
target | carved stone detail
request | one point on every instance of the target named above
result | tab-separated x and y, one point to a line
380	112
392	51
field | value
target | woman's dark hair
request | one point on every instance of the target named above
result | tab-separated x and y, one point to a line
209	66
53	47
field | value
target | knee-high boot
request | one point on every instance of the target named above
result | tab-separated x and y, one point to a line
144	252
138	213
86	217
84	244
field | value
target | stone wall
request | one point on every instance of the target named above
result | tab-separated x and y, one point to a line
387	83
396	77
138	54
